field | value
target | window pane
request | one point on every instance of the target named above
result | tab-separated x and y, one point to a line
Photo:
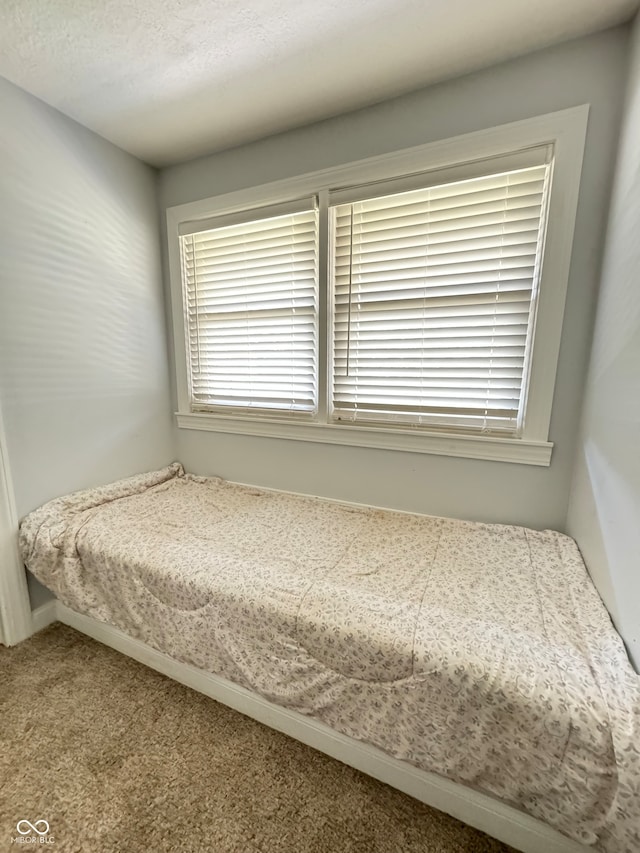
251	306
434	292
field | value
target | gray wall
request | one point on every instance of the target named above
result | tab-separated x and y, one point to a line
590	70
604	512
83	363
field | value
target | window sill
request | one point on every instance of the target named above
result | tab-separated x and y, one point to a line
490	448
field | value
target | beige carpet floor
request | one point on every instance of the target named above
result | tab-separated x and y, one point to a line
119	758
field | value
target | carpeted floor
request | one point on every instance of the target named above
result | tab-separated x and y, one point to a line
119	758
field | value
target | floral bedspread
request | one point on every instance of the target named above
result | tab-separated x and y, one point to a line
480	652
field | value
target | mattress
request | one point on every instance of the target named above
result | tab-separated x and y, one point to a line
476	651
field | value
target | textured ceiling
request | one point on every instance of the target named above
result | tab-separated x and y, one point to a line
168	81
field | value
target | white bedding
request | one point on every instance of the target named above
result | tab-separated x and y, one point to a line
479	652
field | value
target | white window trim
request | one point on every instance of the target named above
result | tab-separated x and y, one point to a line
15	608
566	130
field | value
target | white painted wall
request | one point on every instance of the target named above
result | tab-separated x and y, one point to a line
590	70
604	511
83	362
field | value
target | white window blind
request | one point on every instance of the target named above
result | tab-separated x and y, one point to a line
251	312
434	293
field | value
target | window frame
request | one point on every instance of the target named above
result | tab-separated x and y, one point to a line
565	130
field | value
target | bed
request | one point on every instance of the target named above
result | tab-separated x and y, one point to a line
479	653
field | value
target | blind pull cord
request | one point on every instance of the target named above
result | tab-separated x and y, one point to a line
350	286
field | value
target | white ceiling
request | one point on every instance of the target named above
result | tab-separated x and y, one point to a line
168	81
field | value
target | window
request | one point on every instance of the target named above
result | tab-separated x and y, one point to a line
395	302
434	293
251	311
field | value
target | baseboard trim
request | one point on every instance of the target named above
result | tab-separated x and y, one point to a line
43	616
481	811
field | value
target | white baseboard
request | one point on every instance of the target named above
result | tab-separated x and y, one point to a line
44	615
481	811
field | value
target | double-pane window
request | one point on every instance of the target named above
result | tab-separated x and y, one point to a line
429	301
